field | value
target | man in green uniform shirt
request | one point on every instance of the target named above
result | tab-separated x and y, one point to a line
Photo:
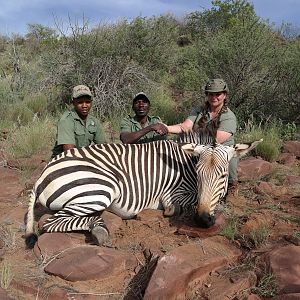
76	128
142	128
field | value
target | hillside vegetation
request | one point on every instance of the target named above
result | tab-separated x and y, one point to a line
168	58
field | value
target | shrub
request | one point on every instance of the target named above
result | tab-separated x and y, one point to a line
163	106
231	228
36	103
6	275
267	286
256	237
270	131
19	113
289	131
32	139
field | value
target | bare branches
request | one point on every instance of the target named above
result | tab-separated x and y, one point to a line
114	81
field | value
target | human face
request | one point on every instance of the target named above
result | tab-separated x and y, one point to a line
82	106
216	100
141	107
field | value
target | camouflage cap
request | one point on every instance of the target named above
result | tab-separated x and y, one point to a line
81	90
216	85
140	95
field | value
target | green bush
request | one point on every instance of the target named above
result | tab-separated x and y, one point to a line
267	286
270	132
34	138
230	230
163	106
37	103
19	113
289	131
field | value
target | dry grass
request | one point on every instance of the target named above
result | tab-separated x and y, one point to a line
6	274
8	237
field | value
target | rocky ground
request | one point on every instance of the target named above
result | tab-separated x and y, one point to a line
251	253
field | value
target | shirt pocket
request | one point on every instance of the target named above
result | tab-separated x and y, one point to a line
80	136
91	132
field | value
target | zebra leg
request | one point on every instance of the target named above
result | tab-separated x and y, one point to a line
172	209
69	219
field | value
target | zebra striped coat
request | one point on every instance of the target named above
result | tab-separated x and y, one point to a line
126	179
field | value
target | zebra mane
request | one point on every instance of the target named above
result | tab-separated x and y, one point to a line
200	136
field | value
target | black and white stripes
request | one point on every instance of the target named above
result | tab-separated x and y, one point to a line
81	183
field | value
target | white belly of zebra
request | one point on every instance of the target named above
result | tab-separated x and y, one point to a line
125	213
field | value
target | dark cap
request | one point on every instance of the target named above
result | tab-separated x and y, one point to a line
140	95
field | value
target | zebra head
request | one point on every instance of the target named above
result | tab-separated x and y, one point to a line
212	175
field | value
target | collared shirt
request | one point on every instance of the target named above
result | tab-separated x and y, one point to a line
129	124
71	129
228	122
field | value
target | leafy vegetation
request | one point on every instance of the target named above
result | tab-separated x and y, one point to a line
255	238
270	131
230	231
168	58
26	141
267	286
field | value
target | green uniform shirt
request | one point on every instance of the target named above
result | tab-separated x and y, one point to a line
71	129
129	124
228	122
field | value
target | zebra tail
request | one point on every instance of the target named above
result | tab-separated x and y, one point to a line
30	236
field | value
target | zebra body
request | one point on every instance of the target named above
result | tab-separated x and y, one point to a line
127	179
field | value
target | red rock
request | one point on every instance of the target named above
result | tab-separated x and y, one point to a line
258	221
224	287
253	297
98	263
268	189
112	221
186	264
288	159
253	168
50	244
284	263
292	179
4	295
292	147
295	296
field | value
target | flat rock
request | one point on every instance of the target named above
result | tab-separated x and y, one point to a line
270	190
220	287
50	244
4	295
185	264
284	263
292	147
253	168
98	263
287	159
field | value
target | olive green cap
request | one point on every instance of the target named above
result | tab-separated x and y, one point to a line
216	85
81	90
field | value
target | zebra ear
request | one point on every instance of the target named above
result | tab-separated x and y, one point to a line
192	149
243	149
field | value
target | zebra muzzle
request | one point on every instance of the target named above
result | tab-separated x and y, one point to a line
204	220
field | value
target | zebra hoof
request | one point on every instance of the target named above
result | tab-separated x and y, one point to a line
172	210
100	234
